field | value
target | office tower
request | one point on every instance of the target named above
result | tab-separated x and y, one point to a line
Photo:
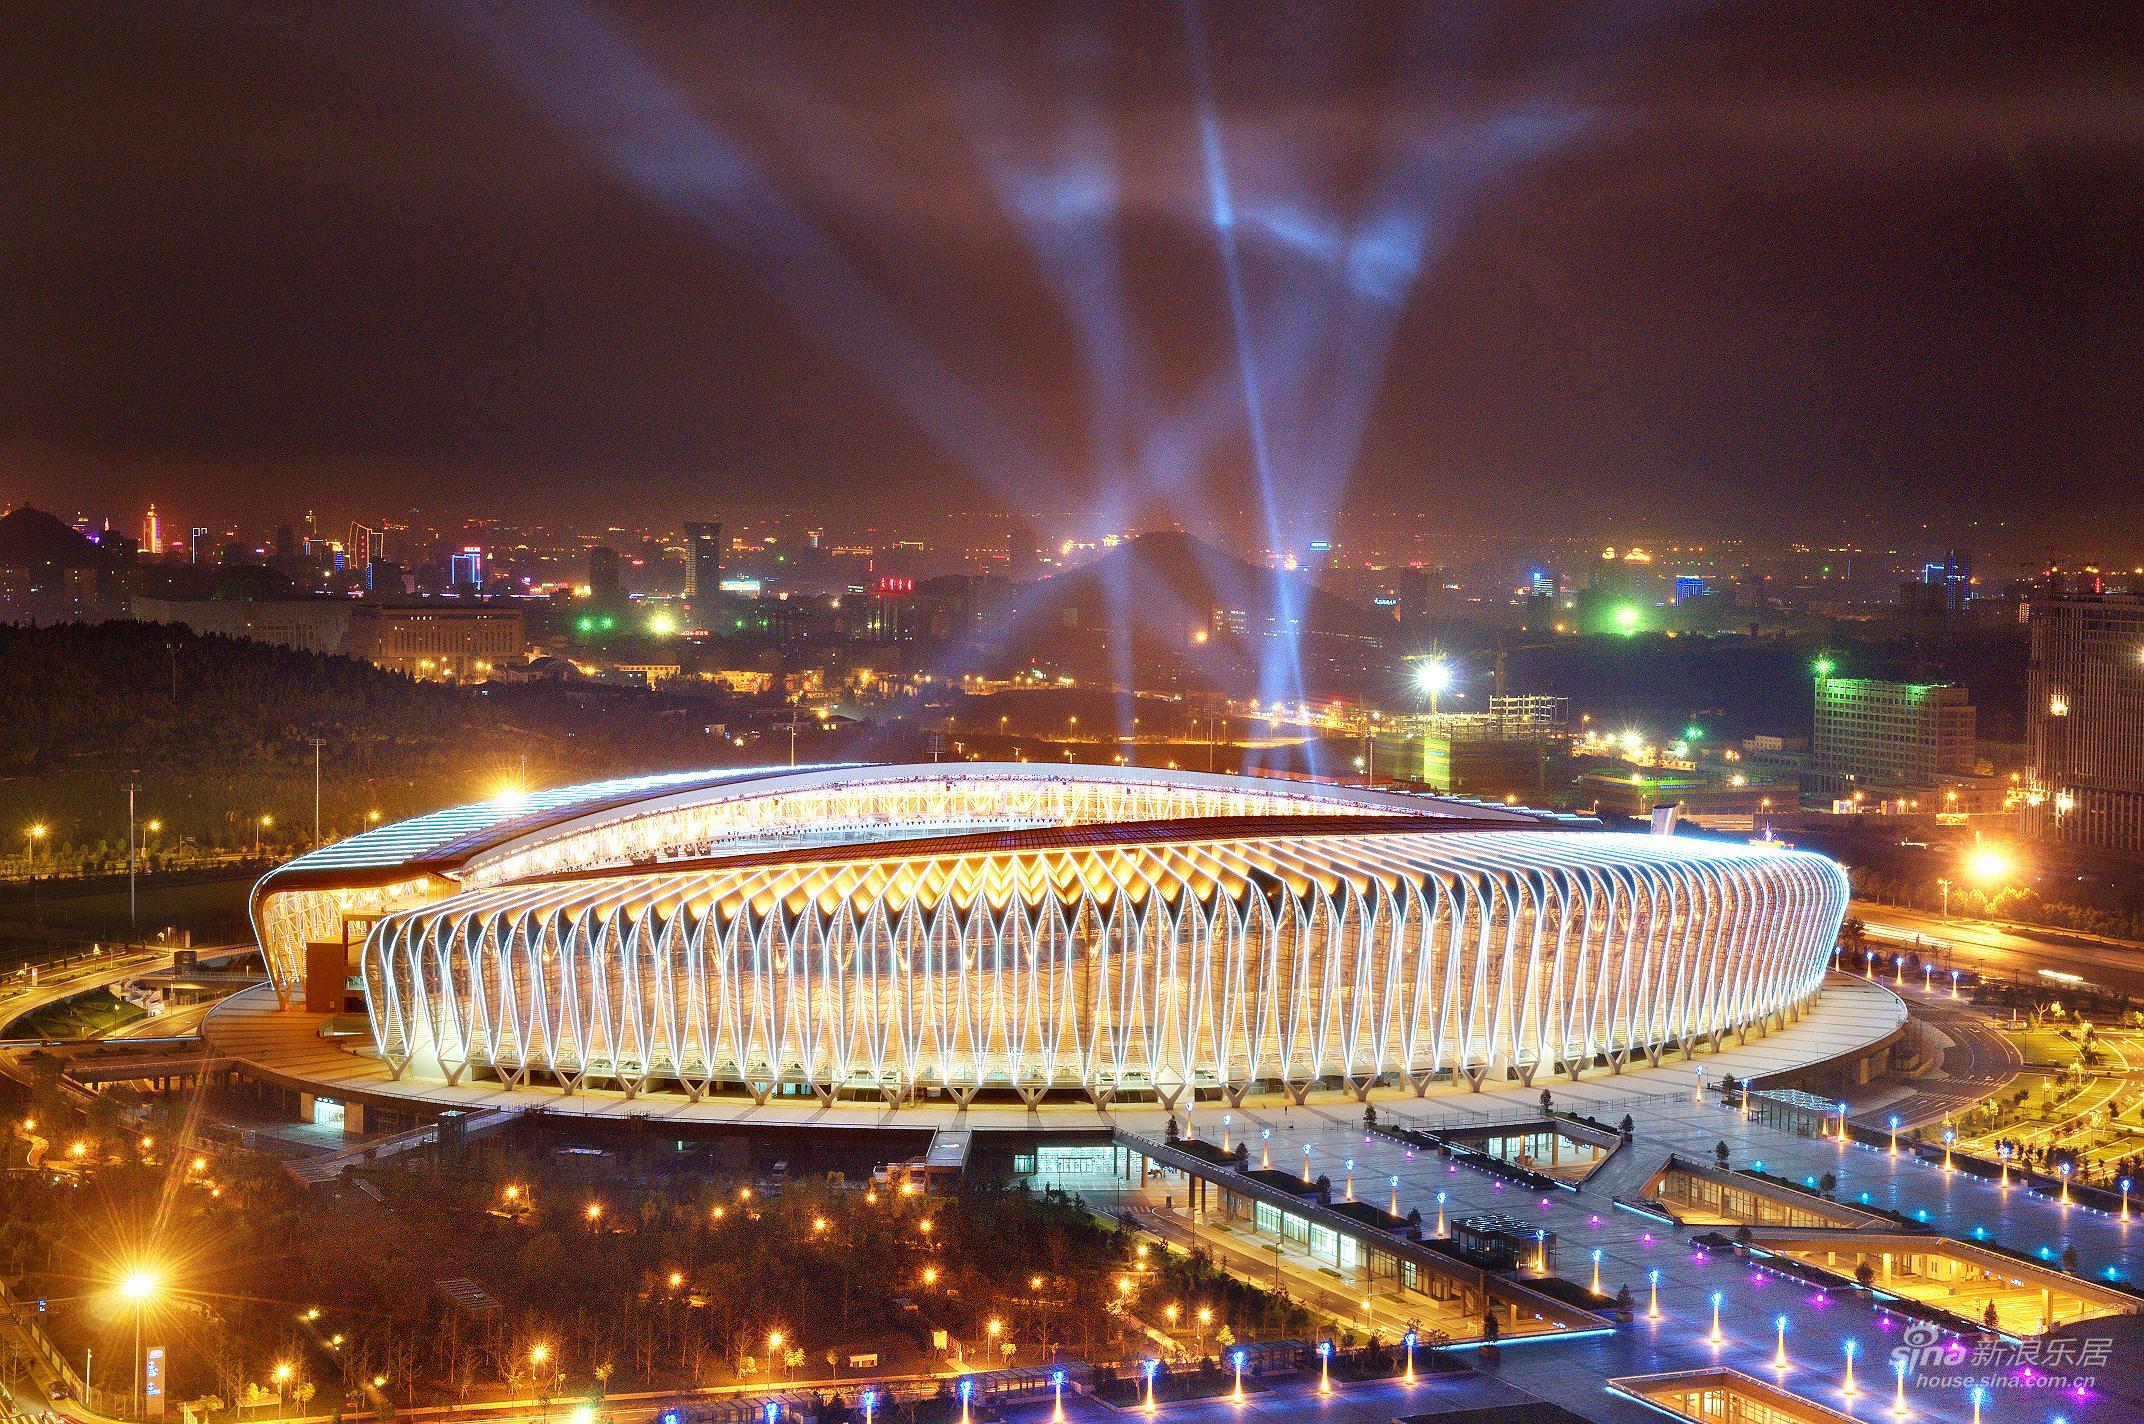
1892	734
1953	577
2085	722
366	544
465	569
605	584
152	533
703	560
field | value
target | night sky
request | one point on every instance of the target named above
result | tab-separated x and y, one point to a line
1784	269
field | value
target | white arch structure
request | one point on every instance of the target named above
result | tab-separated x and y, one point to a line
1072	930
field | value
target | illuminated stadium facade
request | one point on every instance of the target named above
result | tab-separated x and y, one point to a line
888	934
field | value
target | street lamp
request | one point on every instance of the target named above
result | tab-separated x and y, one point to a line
138	1286
283	1373
32	836
1432	676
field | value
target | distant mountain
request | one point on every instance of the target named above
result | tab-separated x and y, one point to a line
1178	605
31	538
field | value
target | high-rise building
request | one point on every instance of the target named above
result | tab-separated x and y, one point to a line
465	568
1894	734
2085	722
366	544
605	584
152	533
197	544
1954	577
703	560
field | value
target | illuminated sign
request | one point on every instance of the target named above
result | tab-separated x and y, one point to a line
152	1378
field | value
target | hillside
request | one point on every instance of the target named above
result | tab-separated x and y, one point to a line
1179	607
218	733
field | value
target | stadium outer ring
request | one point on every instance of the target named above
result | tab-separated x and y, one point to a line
493	835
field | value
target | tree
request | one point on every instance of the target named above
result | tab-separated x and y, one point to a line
1627	1127
1369	1115
1172	1134
1865	1275
1828	1183
1548	1102
1719	1153
2069	1259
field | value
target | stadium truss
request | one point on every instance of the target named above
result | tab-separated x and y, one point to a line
890	932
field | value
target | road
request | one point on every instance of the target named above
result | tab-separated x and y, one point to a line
1978	944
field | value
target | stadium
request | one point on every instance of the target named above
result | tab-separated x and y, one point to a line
902	935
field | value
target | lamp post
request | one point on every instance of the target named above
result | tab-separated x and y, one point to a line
31	836
137	1288
2004	1152
2124	1184
133	921
1894	1136
2064	1169
1265	1149
1409	1340
1325	1367
1057	1387
871	1403
1432	677
1440	1215
1147	1367
1944	882
1236	1358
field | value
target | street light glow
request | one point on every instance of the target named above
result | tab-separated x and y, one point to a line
1433	675
1988	863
